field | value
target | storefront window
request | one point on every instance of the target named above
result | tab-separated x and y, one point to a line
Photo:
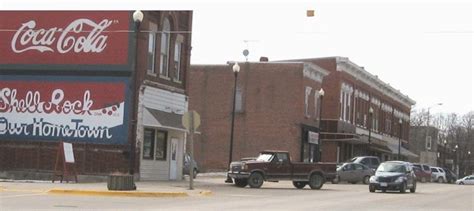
160	152
148	144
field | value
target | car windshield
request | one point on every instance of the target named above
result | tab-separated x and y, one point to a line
265	157
391	167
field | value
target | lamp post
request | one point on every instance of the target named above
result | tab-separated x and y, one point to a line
235	69
371	111
445	152
321	96
456	166
399	137
468	162
137	18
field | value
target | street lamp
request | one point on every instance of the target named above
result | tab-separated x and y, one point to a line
445	152
321	96
371	111
137	18
235	69
456	157
399	137
468	162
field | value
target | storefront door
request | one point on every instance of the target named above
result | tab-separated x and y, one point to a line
174	159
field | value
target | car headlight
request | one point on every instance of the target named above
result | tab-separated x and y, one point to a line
244	166
400	179
373	179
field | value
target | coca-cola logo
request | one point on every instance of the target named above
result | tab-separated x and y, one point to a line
80	36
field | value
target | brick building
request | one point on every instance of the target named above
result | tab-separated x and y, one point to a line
351	94
276	105
424	142
278	108
69	76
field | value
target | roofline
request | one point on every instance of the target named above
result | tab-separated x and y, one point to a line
346	65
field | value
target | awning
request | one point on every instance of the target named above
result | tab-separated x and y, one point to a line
380	148
405	152
349	138
161	119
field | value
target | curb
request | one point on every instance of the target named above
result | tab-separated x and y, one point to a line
206	193
118	193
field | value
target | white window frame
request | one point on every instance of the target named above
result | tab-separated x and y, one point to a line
306	100
165	48
177	58
316	106
152	49
238	99
428	142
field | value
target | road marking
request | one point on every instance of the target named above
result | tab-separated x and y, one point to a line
22	195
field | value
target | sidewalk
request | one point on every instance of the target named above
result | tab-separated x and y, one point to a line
144	188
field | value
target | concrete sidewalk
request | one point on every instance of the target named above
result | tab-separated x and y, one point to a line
144	188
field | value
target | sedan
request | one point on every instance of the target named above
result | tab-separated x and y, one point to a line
467	180
353	173
393	175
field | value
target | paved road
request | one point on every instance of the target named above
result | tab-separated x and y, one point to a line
279	196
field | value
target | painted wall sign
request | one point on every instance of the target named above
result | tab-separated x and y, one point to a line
73	109
89	38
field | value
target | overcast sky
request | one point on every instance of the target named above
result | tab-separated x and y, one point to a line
423	48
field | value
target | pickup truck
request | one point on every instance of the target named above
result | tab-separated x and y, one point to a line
273	166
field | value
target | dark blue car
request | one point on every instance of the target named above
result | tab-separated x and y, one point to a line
393	175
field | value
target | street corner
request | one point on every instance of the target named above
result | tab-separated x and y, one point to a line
116	193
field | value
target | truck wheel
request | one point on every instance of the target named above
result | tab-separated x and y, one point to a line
316	181
440	180
240	182
255	180
299	185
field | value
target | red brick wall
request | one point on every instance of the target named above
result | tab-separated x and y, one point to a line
273	97
41	156
332	87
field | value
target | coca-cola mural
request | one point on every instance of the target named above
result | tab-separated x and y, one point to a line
93	39
75	109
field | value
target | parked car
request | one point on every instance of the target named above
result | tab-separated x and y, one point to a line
438	175
353	173
187	166
273	166
370	161
451	177
467	180
393	175
426	176
421	175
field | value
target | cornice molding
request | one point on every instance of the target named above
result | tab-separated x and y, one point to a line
314	72
345	65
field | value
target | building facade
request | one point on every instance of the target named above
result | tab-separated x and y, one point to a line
425	143
276	107
82	77
362	115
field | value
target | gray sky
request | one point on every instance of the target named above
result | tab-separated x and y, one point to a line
423	48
